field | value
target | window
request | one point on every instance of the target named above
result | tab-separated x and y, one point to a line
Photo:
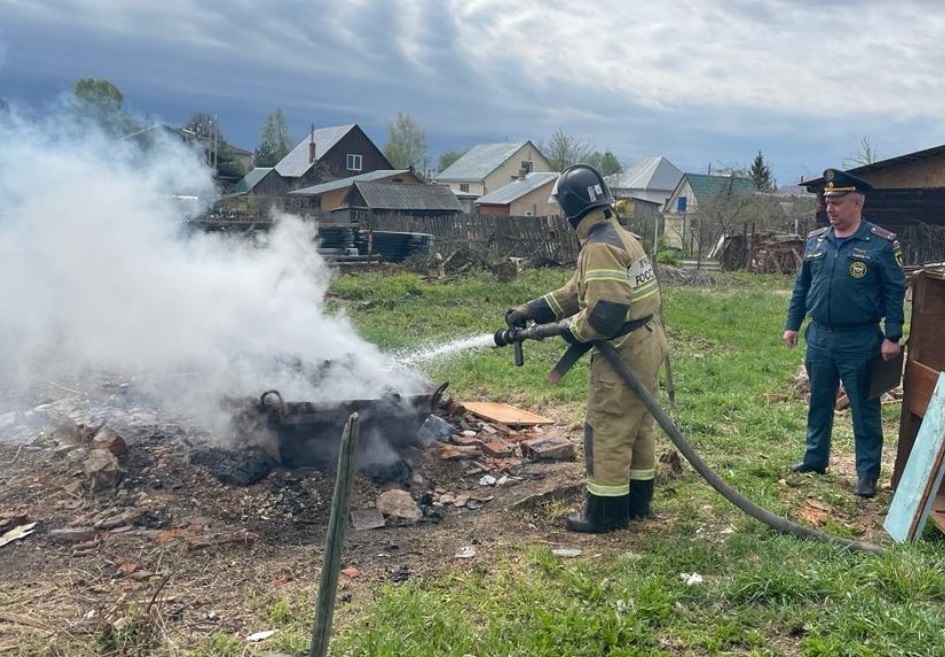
353	162
527	166
464	187
680	204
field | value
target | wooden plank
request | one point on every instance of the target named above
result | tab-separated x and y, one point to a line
922	477
504	413
920	381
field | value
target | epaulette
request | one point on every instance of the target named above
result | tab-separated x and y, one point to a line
818	232
882	232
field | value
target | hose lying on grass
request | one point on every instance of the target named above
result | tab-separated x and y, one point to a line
729	493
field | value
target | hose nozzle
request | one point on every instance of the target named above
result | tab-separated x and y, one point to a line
505	337
511	336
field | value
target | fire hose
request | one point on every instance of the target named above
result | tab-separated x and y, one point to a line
514	335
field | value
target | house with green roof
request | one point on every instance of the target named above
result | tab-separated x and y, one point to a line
251	180
699	199
487	167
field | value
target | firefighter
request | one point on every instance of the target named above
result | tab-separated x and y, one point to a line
613	295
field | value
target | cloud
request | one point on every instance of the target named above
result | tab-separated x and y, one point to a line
774	74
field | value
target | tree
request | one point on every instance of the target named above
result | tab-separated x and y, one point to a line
274	143
229	166
760	172
866	155
206	130
102	103
606	162
447	159
563	150
406	143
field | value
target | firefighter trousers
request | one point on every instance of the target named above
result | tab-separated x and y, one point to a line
619	433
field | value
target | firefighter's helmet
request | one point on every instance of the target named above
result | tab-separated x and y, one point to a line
578	190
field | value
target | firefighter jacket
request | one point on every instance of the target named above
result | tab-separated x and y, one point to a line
613	288
852	285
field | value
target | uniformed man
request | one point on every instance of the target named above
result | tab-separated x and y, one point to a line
613	295
850	279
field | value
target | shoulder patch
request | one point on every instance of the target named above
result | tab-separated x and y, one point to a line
882	232
818	232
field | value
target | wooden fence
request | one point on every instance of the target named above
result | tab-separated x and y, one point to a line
539	240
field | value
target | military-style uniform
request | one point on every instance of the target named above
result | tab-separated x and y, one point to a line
846	289
613	295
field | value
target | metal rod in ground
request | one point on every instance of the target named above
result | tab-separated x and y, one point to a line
334	541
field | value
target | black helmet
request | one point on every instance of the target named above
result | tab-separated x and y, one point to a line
580	189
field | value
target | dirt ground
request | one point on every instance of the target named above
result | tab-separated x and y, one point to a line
202	557
206	557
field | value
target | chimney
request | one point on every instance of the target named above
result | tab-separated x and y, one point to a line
522	173
312	153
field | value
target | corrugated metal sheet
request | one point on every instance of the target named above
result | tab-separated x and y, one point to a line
296	163
315	190
393	196
519	188
479	161
251	179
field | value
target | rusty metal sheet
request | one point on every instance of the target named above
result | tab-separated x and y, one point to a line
504	413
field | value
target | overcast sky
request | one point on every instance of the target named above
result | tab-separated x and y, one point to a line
701	82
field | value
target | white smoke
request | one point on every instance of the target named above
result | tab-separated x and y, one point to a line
97	274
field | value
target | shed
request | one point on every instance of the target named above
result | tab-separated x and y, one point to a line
331	195
908	198
925	360
386	199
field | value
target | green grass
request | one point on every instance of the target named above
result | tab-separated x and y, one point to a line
763	594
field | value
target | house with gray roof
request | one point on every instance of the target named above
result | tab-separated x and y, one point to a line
652	179
331	195
380	199
487	167
326	154
526	196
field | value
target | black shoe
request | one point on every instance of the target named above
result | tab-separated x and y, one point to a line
866	487
804	467
641	494
601	514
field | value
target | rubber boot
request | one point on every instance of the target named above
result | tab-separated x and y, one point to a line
601	514
641	494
